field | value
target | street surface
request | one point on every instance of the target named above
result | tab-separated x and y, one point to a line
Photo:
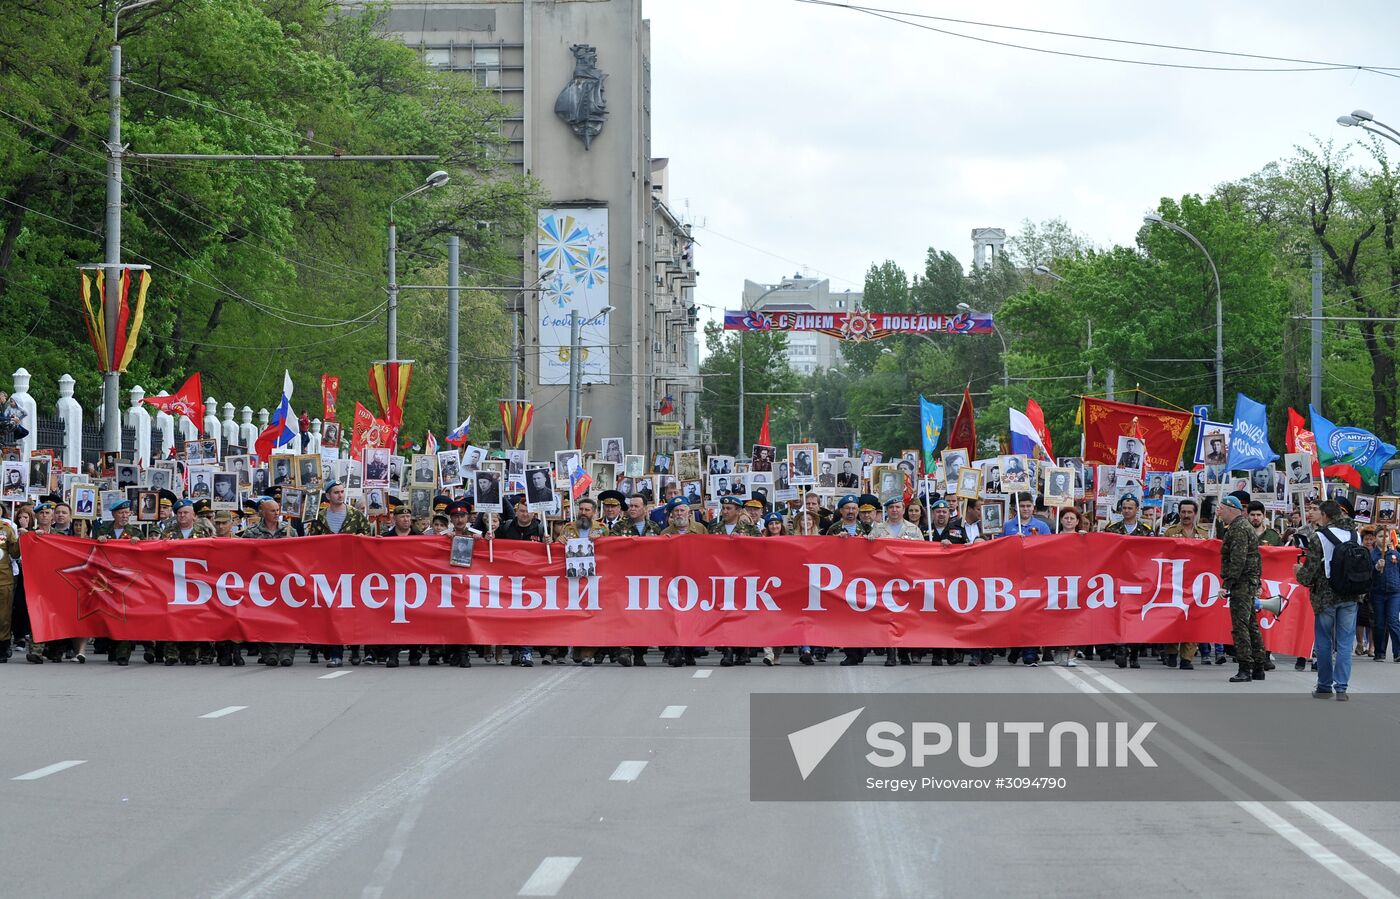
501	781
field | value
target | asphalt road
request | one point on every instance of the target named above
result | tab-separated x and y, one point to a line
501	781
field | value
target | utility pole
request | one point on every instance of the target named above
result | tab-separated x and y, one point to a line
1315	375
575	372
112	238
453	300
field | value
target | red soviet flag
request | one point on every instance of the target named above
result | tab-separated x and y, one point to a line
187	401
963	434
1036	416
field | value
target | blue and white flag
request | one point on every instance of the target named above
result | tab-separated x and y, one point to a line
1249	437
1024	437
931	428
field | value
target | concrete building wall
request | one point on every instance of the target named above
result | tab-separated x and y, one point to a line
522	50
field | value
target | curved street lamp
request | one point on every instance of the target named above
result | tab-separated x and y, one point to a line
1005	375
1362	119
1153	218
436	179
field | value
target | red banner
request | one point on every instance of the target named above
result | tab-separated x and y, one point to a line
330	392
1162	430
1074	589
368	431
860	324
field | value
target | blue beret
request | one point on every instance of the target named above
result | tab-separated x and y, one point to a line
182	504
675	504
892	500
939	504
772	517
123	504
1230	501
848	498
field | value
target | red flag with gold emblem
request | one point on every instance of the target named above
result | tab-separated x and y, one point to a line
187	401
1163	432
368	431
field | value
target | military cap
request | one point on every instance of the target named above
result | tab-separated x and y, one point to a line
675	504
611	497
42	506
459	507
1232	501
441	502
892	500
848	498
770	518
223	515
167	498
398	506
326	487
203	507
938	504
51	498
1242	496
755	502
868	502
730	501
181	504
516	499
250	506
121	504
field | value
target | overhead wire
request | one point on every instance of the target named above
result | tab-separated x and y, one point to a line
902	17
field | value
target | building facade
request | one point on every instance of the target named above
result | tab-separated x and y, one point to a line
807	351
608	248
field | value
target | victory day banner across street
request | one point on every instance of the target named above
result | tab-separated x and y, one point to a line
1070	589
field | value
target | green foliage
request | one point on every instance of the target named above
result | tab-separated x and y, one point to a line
765	372
257	266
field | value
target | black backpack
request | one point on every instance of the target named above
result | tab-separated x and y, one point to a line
1351	565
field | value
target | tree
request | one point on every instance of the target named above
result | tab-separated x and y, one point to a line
256	266
766	371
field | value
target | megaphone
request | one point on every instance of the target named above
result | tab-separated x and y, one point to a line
1272	605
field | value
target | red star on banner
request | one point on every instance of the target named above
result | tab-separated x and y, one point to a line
100	585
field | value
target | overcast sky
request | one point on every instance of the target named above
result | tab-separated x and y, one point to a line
809	136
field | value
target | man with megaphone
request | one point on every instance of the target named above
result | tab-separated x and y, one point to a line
1241	569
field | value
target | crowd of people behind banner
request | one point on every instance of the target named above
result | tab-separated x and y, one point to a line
807	491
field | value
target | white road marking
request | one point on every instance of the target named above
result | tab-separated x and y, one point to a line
673	711
286	863
1078	683
226	710
549	877
1350	834
628	771
393	853
51	769
1107	682
703	672
334	674
1310	847
1315	850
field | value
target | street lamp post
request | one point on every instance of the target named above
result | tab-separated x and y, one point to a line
1045	270
1362	119
1005	375
745	306
1153	218
436	179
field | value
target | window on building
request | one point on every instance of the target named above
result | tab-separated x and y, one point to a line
441	58
486	66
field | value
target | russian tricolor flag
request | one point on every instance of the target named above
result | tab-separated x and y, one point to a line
281	429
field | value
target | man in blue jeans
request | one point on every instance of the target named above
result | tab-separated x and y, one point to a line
1385	596
1334	622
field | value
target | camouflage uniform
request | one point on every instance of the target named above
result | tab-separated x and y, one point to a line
189	652
1240	572
838	529
271	653
1199	532
356	522
625	528
742	528
1142	530
9	549
1313	574
118	651
695	528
